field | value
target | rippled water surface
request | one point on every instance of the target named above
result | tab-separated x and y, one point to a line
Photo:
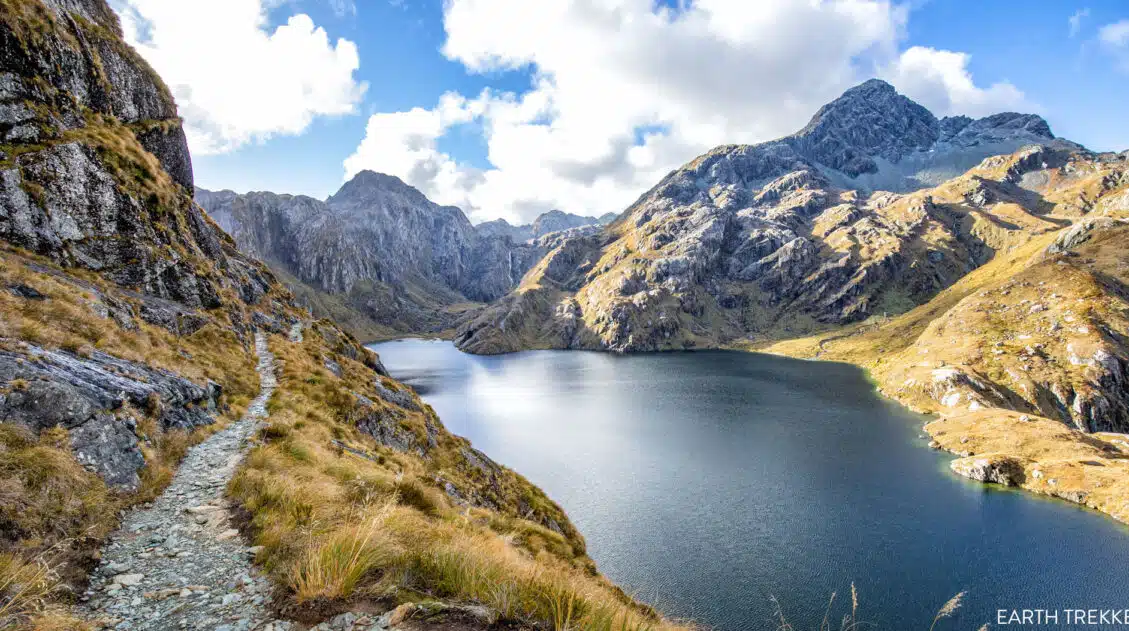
706	482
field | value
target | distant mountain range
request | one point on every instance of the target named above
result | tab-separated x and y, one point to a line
381	257
547	223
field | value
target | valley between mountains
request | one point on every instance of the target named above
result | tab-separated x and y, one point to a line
183	376
977	268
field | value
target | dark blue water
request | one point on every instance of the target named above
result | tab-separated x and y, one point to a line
706	482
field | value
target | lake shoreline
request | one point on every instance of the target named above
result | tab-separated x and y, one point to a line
496	384
974	460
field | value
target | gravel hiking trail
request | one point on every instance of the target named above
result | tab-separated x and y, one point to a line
178	562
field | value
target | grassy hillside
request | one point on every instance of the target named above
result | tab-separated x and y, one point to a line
1023	360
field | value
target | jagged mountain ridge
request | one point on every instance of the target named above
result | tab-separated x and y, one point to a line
545	223
385	250
765	241
873	138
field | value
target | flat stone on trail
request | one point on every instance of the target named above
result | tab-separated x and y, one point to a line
128	580
227	534
206	508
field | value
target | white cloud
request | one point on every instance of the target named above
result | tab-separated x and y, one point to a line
1075	20
624	92
236	81
1115	40
940	80
406	144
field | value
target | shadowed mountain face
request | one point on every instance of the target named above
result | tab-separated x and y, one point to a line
776	240
380	248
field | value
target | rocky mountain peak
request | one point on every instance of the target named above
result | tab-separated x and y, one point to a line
870	138
871	120
369	187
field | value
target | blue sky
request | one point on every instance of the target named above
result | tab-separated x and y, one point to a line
589	102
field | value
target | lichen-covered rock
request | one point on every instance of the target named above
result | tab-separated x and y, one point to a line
1081	232
383	423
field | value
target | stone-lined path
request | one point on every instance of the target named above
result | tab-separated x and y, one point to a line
178	563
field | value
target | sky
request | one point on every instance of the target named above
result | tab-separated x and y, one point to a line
510	108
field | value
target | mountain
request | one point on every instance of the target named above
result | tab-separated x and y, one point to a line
546	223
381	257
873	138
990	288
134	334
765	240
377	248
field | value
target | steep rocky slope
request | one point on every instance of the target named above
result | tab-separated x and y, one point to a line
379	249
764	241
128	325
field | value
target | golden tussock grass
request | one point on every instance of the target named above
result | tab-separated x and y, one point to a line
49	504
851	620
372	523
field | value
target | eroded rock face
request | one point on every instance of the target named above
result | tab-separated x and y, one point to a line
94	165
88	397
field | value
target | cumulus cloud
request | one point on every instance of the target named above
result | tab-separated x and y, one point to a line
940	80
406	144
624	92
236	80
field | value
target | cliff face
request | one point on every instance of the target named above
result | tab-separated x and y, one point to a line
79	108
96	216
765	241
381	249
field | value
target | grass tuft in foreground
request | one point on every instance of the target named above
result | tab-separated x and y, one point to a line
851	622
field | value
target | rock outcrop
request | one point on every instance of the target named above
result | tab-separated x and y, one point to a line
94	165
996	469
99	400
